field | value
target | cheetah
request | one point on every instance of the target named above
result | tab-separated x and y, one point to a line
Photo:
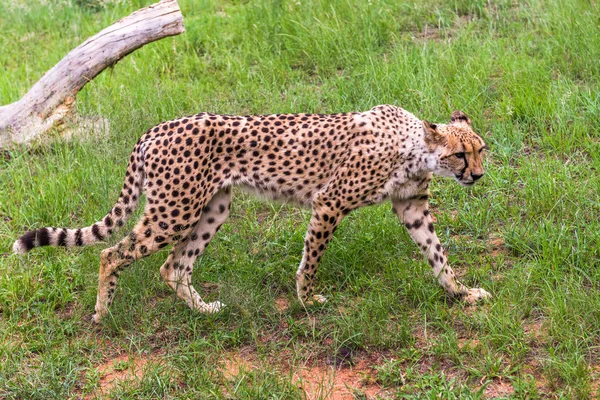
332	163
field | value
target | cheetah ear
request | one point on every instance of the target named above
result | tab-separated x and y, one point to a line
459	117
433	137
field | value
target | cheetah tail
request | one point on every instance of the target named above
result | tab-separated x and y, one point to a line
116	217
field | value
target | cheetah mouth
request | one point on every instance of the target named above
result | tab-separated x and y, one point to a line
459	179
466	183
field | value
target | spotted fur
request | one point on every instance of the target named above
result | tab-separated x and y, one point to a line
332	163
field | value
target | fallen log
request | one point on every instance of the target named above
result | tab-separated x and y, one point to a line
48	102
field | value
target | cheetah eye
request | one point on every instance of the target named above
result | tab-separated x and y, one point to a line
459	155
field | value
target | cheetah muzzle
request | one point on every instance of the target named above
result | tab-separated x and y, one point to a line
333	163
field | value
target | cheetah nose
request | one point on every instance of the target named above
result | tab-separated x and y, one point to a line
476	176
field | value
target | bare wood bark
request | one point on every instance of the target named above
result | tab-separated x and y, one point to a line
51	98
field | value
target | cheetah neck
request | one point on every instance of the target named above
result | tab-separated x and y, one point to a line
431	160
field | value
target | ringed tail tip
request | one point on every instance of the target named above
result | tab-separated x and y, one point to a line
19	247
31	239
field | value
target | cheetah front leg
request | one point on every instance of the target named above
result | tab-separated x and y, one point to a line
414	213
320	231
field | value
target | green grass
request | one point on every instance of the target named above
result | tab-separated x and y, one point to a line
525	72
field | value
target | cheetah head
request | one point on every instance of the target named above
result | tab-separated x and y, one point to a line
458	151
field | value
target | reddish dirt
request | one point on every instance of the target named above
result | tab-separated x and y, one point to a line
319	377
339	383
498	389
66	312
237	362
496	246
595	384
120	368
535	329
282	304
466	343
315	379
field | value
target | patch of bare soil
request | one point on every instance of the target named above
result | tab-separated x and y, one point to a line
595	384
121	368
282	304
543	385
496	246
498	389
66	312
339	383
468	344
535	330
236	362
316	379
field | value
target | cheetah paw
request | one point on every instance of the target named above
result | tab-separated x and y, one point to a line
317	299
96	318
476	295
211	308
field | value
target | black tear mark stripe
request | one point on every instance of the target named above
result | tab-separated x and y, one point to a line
462	173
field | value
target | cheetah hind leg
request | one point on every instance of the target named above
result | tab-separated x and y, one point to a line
113	260
177	269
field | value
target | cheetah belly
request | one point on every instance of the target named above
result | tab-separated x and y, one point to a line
272	194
